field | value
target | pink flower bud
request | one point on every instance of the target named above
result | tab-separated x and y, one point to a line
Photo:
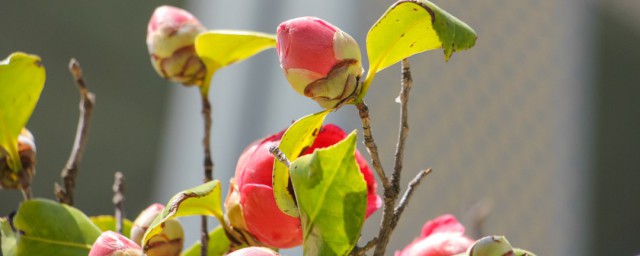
113	244
319	60
254	251
171	35
10	179
168	242
262	217
442	236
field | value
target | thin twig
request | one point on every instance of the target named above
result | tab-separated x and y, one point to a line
275	151
363	110
208	163
70	171
118	200
359	251
389	218
404	201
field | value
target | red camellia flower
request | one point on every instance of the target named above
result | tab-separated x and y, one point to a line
171	36
442	236
110	243
254	193
319	60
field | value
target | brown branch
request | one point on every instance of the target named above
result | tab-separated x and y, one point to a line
372	148
275	151
118	200
404	201
208	163
70	171
359	251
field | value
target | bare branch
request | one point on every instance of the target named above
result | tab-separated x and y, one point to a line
363	110
208	163
70	171
360	251
404	201
403	133
118	200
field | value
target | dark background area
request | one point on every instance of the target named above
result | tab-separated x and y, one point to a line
108	39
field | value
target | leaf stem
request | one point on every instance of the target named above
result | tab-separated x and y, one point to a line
70	171
118	200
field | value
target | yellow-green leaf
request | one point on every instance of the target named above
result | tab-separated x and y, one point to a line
108	222
332	197
298	137
50	228
22	78
409	27
205	199
220	48
218	244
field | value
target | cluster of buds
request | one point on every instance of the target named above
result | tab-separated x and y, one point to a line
320	61
442	236
171	36
251	204
15	179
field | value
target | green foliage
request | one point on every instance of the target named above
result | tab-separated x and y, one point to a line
220	48
46	227
22	78
108	222
218	244
332	197
298	137
8	238
411	27
202	200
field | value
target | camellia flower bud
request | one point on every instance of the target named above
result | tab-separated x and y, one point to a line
442	236
319	60
168	242
110	243
254	251
171	36
491	245
252	190
27	151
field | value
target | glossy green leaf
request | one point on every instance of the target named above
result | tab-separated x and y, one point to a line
409	27
298	137
22	78
8	238
108	222
332	197
50	228
205	199
220	48
218	244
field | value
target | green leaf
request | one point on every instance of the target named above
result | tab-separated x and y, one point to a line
21	81
409	27
218	244
332	196
205	199
108	222
46	227
298	137
8	242
220	48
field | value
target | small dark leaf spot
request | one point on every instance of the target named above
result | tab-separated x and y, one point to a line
397	20
415	9
402	35
315	132
411	46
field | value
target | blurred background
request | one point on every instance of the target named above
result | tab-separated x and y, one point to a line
536	126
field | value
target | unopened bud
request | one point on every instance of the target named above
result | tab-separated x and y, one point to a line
171	36
168	242
490	246
113	244
10	179
254	251
319	60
